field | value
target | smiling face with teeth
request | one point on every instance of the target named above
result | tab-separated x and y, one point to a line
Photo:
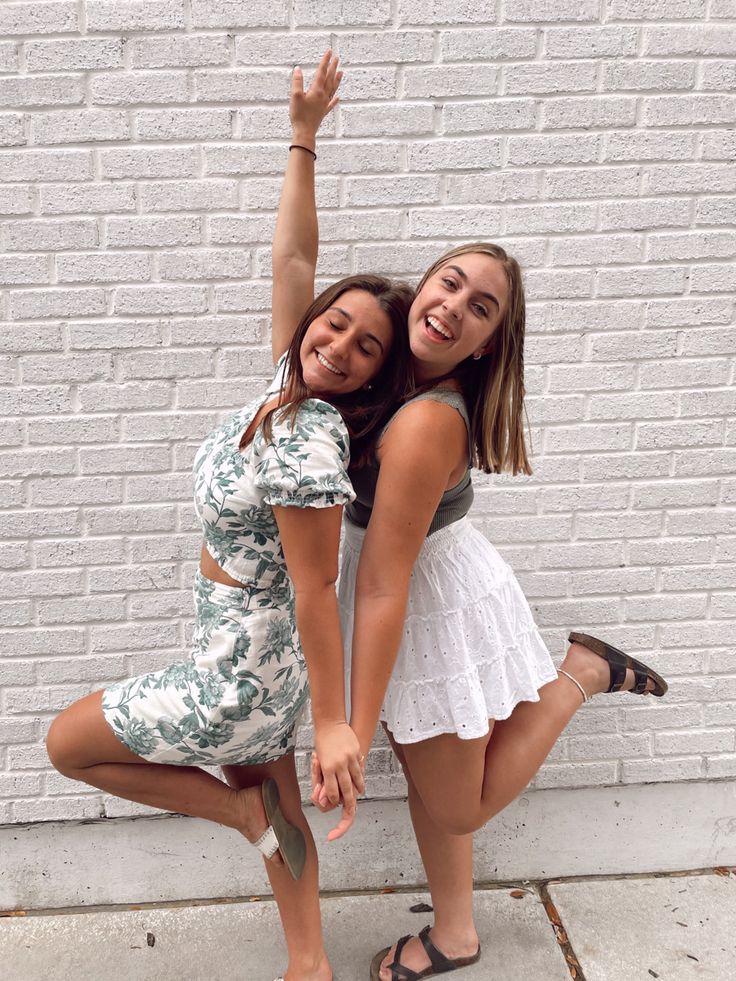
456	312
346	346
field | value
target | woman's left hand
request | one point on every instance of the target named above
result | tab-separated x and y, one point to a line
337	774
308	108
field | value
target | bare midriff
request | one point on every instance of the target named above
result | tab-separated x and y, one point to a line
211	570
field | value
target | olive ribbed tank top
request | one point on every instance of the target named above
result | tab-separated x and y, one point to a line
455	502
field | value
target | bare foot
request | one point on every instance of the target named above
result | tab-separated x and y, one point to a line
251	819
414	956
593	672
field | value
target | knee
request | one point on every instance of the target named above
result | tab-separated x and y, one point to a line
455	818
59	746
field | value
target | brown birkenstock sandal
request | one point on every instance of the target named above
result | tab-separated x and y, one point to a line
439	964
618	663
280	835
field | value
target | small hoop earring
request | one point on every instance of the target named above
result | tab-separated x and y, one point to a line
477	357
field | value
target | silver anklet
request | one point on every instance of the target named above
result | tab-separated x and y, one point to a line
586	698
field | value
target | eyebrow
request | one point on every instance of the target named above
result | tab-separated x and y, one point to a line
464	277
349	318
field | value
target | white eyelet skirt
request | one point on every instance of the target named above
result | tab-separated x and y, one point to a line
470	651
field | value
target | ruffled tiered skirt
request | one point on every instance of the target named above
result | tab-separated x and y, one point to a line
470	650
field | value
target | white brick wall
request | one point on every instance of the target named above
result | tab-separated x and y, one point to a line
141	145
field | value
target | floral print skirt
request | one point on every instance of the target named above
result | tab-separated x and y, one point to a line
235	700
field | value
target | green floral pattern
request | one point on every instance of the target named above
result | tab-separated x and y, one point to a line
238	697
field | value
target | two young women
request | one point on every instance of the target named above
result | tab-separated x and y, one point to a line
473	695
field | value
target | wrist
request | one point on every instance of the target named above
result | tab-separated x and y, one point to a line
307	138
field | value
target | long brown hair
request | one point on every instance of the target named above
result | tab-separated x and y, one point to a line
366	410
493	386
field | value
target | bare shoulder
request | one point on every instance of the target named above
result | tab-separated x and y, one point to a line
423	428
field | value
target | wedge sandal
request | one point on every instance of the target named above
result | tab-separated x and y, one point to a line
618	663
439	964
280	835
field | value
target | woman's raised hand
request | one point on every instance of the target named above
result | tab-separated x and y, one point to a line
308	108
337	773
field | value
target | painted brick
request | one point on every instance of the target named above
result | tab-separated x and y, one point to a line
293	48
180	52
142	232
16	200
591	42
462	12
38	165
455	155
231	13
656	9
56	303
441	81
16	270
388	120
86	126
12	130
144	162
601	113
688	110
49	235
491	188
134	15
129	89
549	79
9	58
189	195
103	268
184	124
639	74
244	85
369	84
74	54
148	395
98	198
57	17
394	47
690	39
689	178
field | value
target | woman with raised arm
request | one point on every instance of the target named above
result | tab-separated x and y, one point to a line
444	647
270	486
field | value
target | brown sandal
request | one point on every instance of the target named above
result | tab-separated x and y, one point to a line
618	663
439	964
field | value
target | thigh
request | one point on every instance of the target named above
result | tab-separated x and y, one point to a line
80	737
447	769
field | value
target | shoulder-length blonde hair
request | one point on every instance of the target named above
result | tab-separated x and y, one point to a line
493	386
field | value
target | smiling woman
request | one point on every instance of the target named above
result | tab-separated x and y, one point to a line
270	485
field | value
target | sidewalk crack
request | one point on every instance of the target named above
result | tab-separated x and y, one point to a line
573	964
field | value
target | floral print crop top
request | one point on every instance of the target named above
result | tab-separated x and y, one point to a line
304	464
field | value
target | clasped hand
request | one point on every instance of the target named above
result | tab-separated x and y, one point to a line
337	773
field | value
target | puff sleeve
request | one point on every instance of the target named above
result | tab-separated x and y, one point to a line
305	463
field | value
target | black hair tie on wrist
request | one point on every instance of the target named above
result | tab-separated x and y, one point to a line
298	146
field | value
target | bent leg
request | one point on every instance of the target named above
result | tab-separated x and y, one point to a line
82	746
298	901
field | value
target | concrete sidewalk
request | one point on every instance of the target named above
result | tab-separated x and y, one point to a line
674	927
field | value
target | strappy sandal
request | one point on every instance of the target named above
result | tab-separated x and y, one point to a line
280	835
439	963
618	663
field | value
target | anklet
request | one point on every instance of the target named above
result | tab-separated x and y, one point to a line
575	681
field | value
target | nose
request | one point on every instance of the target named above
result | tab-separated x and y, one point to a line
453	306
340	345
